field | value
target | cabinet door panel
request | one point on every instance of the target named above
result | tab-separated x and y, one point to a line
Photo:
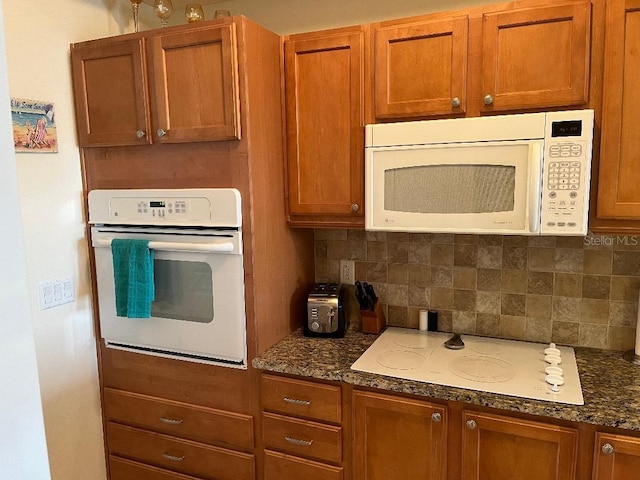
503	448
325	120
621	462
536	57
110	86
420	68
619	177
196	85
398	438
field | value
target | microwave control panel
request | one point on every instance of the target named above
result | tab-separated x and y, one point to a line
566	176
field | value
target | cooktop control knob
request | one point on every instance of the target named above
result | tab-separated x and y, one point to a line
555	381
552	350
315	326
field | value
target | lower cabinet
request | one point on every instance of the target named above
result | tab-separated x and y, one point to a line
616	457
151	438
505	448
397	438
301	430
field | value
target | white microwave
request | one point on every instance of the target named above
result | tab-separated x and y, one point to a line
526	174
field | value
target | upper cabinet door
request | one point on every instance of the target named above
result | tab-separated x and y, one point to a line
109	81
325	127
420	69
195	78
536	57
619	177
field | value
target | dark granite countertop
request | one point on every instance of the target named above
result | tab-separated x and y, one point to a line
610	385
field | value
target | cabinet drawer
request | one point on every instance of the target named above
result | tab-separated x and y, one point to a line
179	419
298	397
182	456
300	437
278	466
122	469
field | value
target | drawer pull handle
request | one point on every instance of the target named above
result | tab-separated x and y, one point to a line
295	401
296	441
173	458
170	421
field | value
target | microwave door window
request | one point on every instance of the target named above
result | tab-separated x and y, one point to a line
183	291
450	189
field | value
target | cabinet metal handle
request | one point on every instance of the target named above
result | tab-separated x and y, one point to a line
488	99
455	102
141	134
170	421
296	441
471	424
355	207
161	132
436	417
173	458
607	449
295	401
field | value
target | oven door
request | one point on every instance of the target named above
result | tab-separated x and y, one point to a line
198	313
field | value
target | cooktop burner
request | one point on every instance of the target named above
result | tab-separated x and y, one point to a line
508	367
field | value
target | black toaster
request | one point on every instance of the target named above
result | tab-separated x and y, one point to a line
325	311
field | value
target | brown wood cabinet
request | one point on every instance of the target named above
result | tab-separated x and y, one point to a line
296	448
420	68
166	86
617	457
431	65
618	196
536	57
398	438
324	103
504	448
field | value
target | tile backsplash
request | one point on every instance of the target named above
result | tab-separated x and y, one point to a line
569	290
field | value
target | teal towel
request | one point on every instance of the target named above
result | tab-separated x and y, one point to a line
133	276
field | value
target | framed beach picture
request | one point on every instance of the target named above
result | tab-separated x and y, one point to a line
34	126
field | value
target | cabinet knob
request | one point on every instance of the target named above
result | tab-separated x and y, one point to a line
607	449
436	417
471	424
141	134
455	102
488	99
355	207
161	132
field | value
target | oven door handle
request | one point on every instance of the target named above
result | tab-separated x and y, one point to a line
216	247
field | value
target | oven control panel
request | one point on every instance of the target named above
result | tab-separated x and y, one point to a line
219	207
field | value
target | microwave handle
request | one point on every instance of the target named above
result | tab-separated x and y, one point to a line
535	184
219	247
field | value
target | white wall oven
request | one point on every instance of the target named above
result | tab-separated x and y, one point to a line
198	307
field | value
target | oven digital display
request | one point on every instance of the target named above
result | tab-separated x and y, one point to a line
157	204
570	128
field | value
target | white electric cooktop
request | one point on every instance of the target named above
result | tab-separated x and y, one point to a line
508	367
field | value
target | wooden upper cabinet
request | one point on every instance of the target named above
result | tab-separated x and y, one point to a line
420	68
619	172
195	75
536	57
111	99
167	87
616	457
504	448
325	127
398	438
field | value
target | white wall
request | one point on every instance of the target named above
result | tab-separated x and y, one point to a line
38	34
23	451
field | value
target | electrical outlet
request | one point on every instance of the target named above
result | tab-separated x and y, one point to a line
347	272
